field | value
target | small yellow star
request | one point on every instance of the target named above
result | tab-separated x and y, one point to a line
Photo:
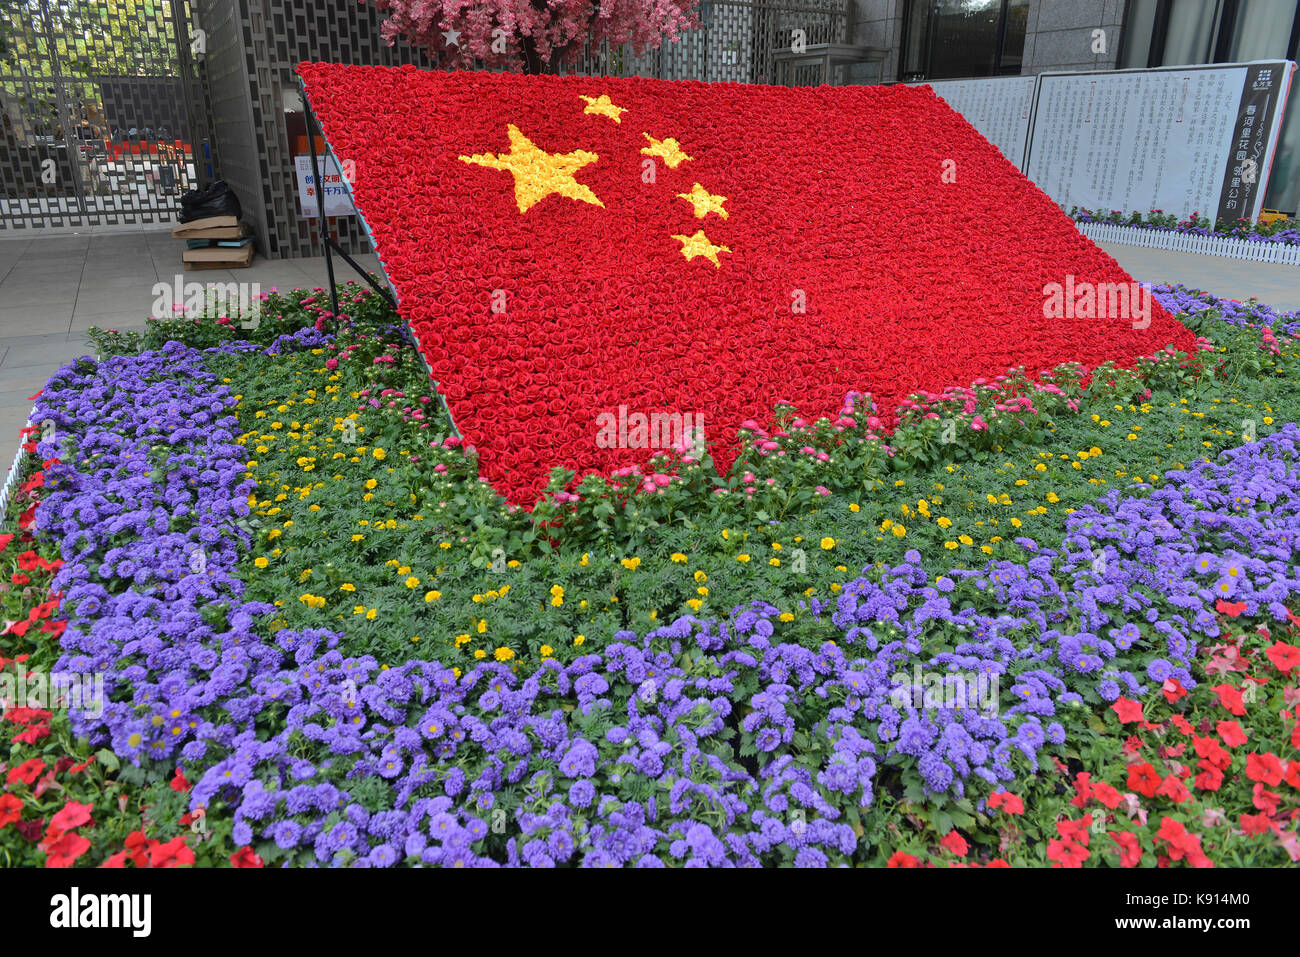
704	202
602	106
668	148
699	245
538	173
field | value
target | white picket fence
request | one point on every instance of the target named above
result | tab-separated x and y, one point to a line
11	479
1228	246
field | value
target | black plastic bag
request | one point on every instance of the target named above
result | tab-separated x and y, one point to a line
218	199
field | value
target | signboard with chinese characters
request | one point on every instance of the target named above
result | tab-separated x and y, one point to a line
337	200
1178	139
1000	109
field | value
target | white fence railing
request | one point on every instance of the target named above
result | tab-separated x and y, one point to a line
11	479
1228	246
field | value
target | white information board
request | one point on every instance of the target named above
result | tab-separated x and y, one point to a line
1000	108
1177	139
337	200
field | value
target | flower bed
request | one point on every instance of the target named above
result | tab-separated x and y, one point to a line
302	596
734	233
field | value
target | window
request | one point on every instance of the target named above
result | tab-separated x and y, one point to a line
949	39
1177	32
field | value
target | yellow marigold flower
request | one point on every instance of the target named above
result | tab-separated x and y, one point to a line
1016	523
586	557
702	591
899	531
580	639
379	454
886	525
987	549
774	562
404	570
503	654
412	582
1053	497
357	538
950	545
312	601
371	483
694	604
677	557
358	609
1040	467
372	614
943	522
742	557
260	562
776	546
480	653
631	564
726	533
1268	420
965	539
462	640
786	616
701	577
827	543
347	586
854	507
547	651
482	625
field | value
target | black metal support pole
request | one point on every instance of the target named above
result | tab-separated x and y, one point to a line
320	207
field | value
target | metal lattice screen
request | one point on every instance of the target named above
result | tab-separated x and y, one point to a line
98	122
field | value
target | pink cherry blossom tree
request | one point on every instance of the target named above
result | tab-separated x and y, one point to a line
530	35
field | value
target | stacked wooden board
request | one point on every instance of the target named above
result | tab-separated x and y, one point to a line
217	242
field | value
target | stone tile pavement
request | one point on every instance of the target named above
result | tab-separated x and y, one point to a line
54	288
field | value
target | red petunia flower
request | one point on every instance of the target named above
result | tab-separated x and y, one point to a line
175	853
71	815
955	843
898	859
1284	657
27	772
1255	824
1008	802
1230	608
1210	777
1130	848
1231	733
1174	789
245	857
1143	779
1127	710
179	783
1065	853
11	809
65	851
1230	698
1265	768
1173	690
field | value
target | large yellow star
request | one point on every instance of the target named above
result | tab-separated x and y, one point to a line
704	202
699	245
602	106
668	148
538	173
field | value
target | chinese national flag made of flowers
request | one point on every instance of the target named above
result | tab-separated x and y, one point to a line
572	251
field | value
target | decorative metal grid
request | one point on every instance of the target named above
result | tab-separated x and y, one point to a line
99	124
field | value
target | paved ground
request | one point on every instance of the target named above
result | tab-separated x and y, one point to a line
54	288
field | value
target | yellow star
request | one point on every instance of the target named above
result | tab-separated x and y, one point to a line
538	173
669	149
601	106
704	202
699	245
